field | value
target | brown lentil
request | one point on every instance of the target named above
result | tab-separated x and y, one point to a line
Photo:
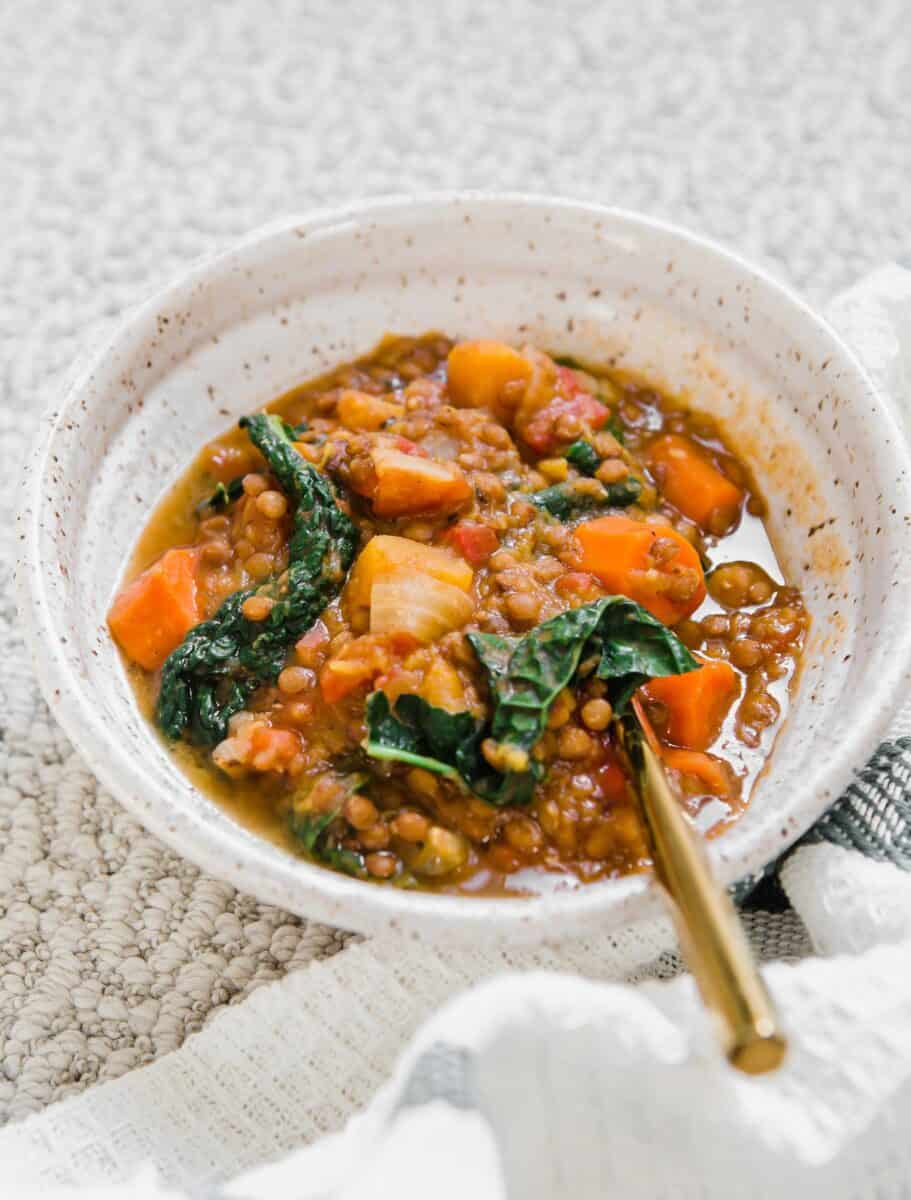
254	484
295	679
257	608
272	505
410	826
259	566
216	554
381	866
374	837
597	714
612	470
574	743
360	812
746	653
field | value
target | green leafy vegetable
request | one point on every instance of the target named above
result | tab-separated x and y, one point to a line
313	831
583	456
224	493
624	492
614	428
295	431
566	501
421	735
210	676
635	647
623	644
630	647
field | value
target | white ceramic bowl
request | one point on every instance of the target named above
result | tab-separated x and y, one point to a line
304	294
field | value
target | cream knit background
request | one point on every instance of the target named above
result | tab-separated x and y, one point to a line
136	136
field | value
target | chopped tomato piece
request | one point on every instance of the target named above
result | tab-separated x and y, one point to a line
273	749
407	446
612	782
569	383
696	702
475	543
540	430
154	613
360	662
578	583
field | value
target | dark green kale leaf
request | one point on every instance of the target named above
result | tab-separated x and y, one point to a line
583	456
422	735
295	431
567	501
210	676
617	431
613	636
634	648
224	493
313	831
629	645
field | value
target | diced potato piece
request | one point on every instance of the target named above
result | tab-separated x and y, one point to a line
409	484
479	372
385	554
442	687
360	410
409	601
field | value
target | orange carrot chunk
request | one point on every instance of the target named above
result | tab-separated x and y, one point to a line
687	478
652	564
712	772
154	613
696	702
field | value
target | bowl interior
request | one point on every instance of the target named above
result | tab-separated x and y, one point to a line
304	295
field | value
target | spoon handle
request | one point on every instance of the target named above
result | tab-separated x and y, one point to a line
708	928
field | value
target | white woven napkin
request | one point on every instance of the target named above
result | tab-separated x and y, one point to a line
553	1078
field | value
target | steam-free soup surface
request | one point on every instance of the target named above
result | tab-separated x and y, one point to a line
410	672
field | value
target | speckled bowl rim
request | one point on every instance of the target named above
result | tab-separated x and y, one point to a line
254	864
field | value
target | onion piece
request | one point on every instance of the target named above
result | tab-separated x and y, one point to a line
415	603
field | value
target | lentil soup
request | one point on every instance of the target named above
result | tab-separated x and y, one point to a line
388	621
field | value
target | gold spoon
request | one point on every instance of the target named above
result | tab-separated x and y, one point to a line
708	929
